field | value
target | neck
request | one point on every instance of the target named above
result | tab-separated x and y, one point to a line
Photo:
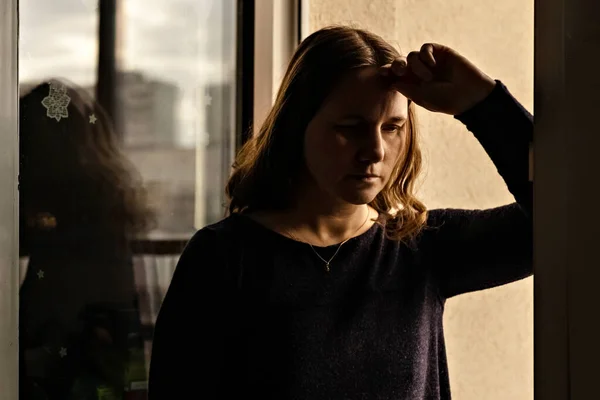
328	223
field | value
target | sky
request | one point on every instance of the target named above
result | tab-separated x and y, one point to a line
181	42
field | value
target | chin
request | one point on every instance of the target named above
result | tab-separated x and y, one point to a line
359	197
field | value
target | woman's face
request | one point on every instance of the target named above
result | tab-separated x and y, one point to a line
353	143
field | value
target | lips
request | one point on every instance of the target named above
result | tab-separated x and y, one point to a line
364	176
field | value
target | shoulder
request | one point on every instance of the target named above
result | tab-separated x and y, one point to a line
208	253
211	236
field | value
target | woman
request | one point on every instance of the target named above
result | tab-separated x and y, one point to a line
329	278
80	201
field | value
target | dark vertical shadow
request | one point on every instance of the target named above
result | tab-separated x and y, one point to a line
107	59
244	71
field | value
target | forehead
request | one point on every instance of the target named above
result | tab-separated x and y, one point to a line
364	92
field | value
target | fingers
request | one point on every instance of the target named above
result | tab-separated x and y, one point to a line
399	66
386	70
418	63
418	67
426	54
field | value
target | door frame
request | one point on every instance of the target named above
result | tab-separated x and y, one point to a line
566	348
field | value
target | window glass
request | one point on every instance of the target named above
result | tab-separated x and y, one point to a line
127	112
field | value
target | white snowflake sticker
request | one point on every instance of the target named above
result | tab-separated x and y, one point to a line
57	101
93	119
40	274
62	352
201	97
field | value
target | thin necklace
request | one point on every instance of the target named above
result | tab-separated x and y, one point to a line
327	262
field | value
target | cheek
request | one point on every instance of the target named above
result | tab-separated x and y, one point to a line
394	145
394	153
325	153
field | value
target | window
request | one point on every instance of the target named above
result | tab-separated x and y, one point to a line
128	121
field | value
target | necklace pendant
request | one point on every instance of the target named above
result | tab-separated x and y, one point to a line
327	267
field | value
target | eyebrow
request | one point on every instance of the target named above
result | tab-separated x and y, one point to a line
396	119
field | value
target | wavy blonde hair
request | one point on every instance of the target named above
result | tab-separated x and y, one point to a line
268	164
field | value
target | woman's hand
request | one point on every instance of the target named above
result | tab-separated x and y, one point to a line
439	79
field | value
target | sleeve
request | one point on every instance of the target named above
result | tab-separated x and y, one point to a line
187	351
480	249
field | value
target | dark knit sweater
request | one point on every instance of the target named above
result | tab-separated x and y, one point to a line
251	314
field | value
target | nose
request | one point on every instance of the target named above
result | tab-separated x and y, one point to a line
372	149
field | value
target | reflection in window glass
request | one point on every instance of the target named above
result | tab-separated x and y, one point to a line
176	91
111	192
57	39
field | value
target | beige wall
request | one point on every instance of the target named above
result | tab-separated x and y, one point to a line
489	334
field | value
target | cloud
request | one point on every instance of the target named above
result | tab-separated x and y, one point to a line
170	38
176	41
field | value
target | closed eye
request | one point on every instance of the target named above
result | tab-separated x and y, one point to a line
392	128
353	128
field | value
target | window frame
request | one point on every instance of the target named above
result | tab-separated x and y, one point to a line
9	204
244	71
106	70
278	29
566	260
